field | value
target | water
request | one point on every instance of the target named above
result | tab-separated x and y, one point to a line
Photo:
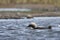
15	9
16	29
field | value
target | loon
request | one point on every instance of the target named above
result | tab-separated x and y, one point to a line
34	26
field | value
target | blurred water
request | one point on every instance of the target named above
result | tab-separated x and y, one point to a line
16	29
15	9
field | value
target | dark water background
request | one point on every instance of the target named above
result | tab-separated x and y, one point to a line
16	29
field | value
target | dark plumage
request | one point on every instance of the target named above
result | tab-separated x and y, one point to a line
34	26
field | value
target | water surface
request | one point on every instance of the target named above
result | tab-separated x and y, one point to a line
16	29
